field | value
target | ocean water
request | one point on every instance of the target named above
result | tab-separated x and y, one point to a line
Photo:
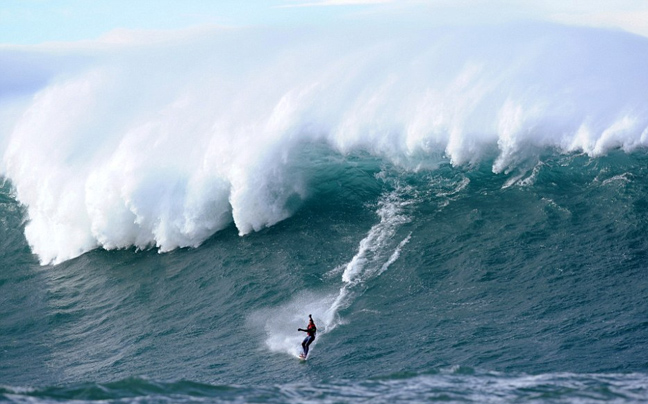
465	221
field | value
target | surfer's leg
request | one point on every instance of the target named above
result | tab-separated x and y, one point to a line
306	344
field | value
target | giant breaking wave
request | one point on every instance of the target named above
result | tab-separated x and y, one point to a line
164	143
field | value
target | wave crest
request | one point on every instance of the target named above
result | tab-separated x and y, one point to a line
165	145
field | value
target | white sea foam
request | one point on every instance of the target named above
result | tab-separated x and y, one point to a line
281	323
165	144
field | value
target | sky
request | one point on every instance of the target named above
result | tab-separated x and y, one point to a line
28	22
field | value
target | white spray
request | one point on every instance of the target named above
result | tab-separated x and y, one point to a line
163	145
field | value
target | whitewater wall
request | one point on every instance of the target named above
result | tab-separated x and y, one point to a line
164	143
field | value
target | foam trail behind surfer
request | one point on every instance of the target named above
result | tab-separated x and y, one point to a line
376	252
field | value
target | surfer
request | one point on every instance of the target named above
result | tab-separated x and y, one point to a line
310	330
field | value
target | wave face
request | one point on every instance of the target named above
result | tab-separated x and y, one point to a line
163	145
465	221
452	283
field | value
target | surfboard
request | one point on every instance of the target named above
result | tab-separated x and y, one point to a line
302	357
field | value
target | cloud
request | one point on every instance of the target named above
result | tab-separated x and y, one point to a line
632	21
628	15
120	38
124	36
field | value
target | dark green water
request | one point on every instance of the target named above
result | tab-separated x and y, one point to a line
438	284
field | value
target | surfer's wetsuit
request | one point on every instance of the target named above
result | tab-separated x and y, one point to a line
311	330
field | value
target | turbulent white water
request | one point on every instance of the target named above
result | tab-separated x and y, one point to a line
163	144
